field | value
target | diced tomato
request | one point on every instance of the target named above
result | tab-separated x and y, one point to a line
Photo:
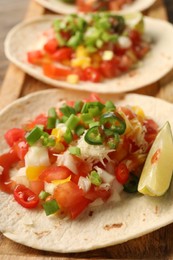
36	186
52	157
14	135
93	74
50	70
122	173
55	172
152	130
119	50
96	193
135	36
82	166
25	197
62	54
141	50
21	149
128	112
125	63
6	162
70	199
51	46
121	151
39	120
109	69
35	57
80	72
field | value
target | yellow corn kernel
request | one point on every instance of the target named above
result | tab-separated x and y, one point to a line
33	172
139	111
57	133
57	182
81	51
72	78
82	62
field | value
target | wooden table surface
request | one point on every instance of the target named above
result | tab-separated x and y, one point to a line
158	244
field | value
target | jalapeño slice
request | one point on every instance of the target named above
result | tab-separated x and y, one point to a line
93	136
113	121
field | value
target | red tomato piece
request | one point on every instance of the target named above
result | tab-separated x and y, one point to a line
122	173
35	57
135	37
93	74
62	54
95	193
21	149
55	172
39	120
51	46
108	69
152	130
70	198
80	72
51	71
25	197
36	186
14	135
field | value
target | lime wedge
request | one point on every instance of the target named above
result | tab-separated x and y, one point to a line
135	21
157	172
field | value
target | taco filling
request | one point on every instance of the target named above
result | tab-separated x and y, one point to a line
95	48
79	154
97	5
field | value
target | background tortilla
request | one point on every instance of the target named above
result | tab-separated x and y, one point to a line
111	224
64	8
155	65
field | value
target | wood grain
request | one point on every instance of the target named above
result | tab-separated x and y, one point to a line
157	244
14	79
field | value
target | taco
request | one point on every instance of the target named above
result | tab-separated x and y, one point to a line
69	6
112	222
152	67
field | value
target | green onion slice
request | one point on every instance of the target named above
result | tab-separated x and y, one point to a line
95	178
50	207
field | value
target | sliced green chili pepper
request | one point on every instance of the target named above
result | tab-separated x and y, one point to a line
113	141
114	122
93	136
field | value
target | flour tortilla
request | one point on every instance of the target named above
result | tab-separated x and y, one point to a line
60	7
26	37
133	216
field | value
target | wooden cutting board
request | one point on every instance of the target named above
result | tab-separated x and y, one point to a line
157	244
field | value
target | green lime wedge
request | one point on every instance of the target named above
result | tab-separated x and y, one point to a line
135	21
157	172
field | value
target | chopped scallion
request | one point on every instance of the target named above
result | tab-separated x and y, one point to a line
50	207
95	178
74	150
34	135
